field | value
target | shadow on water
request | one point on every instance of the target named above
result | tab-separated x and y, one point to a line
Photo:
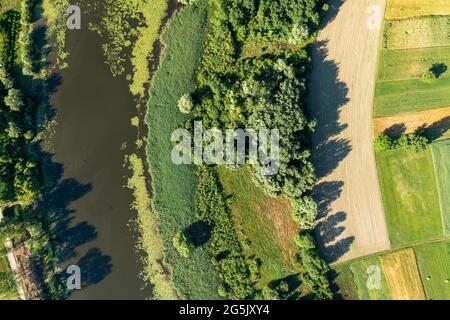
59	192
328	95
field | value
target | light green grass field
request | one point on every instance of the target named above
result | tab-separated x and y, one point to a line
174	186
366	272
410	196
434	266
411	64
396	97
441	157
266	222
420	32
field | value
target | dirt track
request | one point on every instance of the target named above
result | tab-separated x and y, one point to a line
352	220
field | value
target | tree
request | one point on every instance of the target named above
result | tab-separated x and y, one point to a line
14	100
304	211
185	103
383	142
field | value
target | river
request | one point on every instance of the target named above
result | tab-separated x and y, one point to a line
92	136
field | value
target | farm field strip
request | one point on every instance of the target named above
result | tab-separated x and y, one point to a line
420	32
433	121
406	64
401	9
434	266
441	160
402	275
363	274
410	196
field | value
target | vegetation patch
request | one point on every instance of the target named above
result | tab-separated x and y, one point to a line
155	272
402	275
370	280
420	32
174	187
434	268
401	9
441	157
410	195
264	224
344	283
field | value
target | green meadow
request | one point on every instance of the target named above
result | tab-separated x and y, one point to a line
441	157
434	266
174	186
410	196
366	273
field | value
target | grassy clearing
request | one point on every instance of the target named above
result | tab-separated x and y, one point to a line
417	33
402	275
441	157
410	196
174	186
264	223
434	268
365	272
400	9
410	64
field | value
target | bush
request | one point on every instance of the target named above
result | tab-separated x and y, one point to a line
383	143
183	244
185	103
429	76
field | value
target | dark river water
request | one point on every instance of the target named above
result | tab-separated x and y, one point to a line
93	124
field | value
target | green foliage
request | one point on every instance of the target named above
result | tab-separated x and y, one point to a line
174	187
183	244
412	141
227	253
304	211
429	76
383	142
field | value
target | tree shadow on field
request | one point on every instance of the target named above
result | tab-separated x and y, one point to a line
329	227
328	95
396	130
330	15
435	130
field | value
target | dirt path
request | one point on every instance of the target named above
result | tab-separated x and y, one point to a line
352	222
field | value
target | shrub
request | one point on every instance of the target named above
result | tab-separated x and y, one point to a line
183	244
429	76
382	143
185	103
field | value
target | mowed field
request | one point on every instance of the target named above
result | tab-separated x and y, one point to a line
441	157
400	9
402	275
434	265
410	196
411	47
367	273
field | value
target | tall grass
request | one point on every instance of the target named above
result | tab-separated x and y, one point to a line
174	186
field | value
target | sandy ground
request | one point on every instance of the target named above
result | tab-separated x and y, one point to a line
352	222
